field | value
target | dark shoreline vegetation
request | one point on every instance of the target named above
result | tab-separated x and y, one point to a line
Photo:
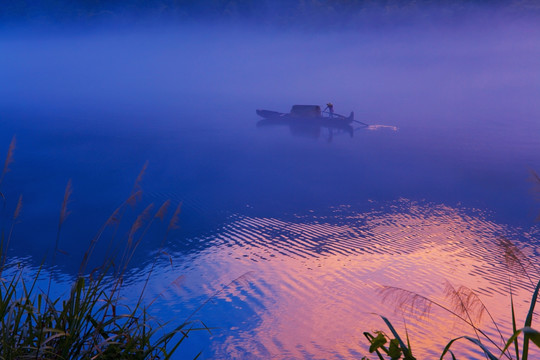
466	306
93	320
313	15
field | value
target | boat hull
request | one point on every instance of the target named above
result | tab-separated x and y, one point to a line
326	121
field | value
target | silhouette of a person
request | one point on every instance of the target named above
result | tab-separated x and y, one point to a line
330	108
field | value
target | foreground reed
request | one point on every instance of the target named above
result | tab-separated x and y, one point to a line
92	321
467	306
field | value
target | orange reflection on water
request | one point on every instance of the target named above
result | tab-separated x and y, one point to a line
313	286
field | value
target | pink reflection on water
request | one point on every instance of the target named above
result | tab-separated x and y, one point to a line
314	299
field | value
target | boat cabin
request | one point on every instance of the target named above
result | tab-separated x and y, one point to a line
306	111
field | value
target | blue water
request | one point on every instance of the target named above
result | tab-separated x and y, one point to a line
289	234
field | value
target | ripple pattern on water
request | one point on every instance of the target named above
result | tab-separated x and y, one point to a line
310	285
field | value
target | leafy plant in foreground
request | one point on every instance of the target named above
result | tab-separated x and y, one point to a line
396	349
467	307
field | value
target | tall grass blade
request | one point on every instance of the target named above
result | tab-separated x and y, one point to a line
62	218
216	293
528	322
534	335
477	342
406	352
407	336
514	324
4	251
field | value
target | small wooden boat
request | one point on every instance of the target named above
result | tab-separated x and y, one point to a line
307	120
308	113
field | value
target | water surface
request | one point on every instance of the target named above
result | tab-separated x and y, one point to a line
289	234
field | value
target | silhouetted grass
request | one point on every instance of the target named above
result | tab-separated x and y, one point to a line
466	306
93	321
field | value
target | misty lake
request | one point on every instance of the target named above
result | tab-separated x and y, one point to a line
285	237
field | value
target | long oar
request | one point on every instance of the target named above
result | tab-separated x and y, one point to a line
362	123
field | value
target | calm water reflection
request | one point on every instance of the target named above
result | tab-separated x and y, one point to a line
290	236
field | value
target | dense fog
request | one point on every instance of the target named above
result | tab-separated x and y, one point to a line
170	69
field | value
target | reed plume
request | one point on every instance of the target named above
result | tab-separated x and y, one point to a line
515	260
113	219
407	301
64	209
163	210
173	224
132	245
64	212
18	209
90	322
135	195
137	190
9	159
418	304
465	302
468	304
62	218
138	223
116	218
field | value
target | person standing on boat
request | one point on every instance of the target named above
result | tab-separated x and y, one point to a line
330	108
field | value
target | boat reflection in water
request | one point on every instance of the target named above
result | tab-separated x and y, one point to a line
308	128
309	121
